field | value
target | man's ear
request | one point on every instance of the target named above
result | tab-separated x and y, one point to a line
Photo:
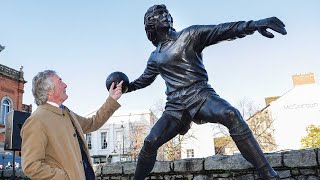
50	92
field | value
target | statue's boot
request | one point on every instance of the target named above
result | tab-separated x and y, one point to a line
268	173
251	151
144	165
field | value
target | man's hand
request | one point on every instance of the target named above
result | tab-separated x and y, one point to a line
115	93
273	23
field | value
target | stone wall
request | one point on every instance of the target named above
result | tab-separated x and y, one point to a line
302	164
297	164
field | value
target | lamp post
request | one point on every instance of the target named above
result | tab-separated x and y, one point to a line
1	48
122	139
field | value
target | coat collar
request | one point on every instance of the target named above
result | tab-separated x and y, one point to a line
52	108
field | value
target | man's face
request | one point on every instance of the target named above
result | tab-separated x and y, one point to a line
162	19
58	93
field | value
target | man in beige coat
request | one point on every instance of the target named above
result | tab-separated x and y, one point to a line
53	144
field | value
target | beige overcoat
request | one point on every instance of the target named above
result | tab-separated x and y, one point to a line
50	148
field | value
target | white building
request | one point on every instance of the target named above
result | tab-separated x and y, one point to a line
290	115
113	141
199	142
294	111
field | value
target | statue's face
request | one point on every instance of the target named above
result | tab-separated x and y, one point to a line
162	19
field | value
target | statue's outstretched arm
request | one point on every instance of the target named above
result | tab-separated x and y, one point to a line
206	35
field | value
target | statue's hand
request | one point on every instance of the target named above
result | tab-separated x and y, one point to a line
130	88
273	23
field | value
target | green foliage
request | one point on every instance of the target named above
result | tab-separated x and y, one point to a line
312	140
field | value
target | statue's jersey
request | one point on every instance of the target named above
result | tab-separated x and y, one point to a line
179	60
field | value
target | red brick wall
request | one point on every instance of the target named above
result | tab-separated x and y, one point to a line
12	88
2	137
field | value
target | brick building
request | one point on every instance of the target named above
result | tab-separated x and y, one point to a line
11	96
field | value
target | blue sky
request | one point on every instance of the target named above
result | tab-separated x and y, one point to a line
84	41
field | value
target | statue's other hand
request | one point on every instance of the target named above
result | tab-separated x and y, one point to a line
130	88
273	23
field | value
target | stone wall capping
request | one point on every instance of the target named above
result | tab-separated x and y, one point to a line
300	158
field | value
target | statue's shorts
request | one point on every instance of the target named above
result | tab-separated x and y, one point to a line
184	103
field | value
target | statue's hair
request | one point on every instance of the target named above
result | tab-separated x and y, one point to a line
41	85
149	24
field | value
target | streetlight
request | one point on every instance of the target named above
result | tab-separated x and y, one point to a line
122	139
1	48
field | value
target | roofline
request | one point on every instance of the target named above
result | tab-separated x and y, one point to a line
273	101
12	73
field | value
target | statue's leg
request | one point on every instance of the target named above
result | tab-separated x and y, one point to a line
165	129
216	109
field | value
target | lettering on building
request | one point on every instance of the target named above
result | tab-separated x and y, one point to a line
300	106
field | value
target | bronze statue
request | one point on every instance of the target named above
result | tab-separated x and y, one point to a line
178	59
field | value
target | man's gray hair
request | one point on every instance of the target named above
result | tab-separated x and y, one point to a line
41	85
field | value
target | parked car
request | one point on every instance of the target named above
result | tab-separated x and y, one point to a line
6	160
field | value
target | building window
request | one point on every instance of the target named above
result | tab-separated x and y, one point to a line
104	143
119	140
88	139
5	108
190	153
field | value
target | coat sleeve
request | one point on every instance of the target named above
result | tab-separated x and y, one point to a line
33	148
102	115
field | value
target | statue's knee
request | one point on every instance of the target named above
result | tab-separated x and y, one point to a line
238	128
150	144
232	114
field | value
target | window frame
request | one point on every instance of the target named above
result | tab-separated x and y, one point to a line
190	153
89	140
103	140
5	108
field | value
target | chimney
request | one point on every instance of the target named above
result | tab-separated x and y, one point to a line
268	100
301	79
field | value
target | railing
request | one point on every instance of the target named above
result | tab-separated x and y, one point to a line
10	72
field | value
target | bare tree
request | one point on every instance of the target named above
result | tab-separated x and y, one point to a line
247	108
138	132
259	121
173	148
221	144
261	125
158	108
